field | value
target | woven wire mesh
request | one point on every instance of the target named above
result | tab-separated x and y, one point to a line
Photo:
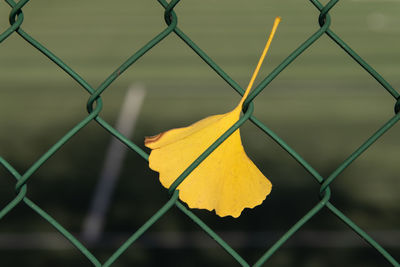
95	105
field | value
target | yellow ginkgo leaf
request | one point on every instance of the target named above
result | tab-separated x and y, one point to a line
227	181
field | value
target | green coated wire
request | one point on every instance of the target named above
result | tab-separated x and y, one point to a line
16	11
212	234
397	106
361	150
47	217
94	107
293	230
56	147
362	234
143	229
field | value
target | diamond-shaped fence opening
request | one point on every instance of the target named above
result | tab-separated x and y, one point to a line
95	106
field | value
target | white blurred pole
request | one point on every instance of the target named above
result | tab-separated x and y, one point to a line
94	222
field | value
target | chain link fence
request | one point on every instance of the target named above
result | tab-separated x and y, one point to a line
95	104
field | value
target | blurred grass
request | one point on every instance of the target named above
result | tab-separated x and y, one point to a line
323	105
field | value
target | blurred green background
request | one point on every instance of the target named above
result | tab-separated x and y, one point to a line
323	105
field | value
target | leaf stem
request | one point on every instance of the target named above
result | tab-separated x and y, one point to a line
260	61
